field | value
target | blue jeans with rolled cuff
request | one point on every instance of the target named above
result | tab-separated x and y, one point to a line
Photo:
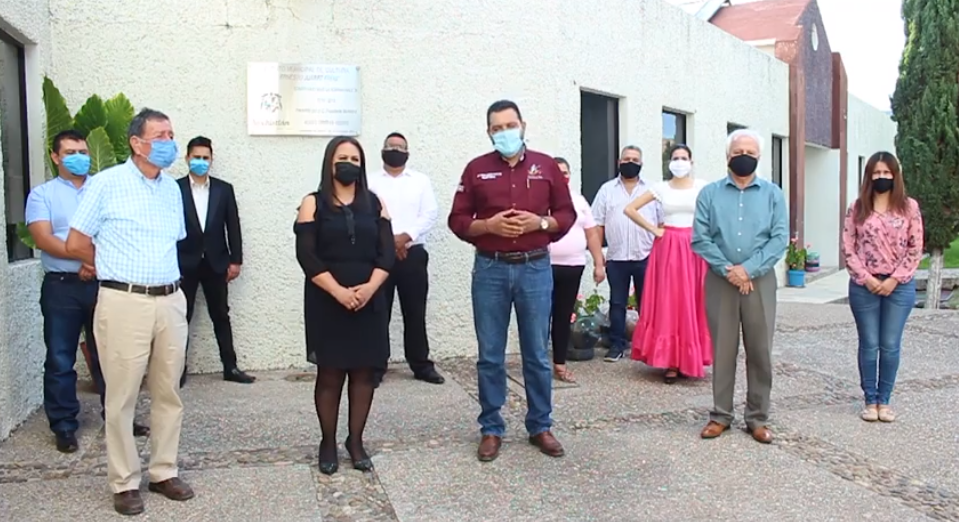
880	321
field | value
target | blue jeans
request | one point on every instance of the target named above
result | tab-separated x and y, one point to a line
497	288
619	274
880	322
67	305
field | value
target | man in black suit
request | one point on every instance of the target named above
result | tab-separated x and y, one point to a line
212	252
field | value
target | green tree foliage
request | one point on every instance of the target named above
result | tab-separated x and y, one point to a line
926	108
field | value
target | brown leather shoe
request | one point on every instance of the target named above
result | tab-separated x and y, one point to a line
547	444
713	429
762	434
128	503
173	489
489	448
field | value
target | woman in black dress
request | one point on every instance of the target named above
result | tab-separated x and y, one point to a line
344	243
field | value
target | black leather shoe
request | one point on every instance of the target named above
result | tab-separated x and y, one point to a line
183	378
238	375
362	461
67	442
431	376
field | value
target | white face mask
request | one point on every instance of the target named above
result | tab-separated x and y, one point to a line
680	168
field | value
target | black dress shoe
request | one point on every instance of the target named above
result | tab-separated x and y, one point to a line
361	461
183	378
431	376
238	375
67	442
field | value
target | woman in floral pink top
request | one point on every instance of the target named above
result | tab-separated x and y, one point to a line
882	244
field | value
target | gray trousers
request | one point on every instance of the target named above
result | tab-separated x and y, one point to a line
726	311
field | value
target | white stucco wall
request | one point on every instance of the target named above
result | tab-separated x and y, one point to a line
432	81
870	130
822	204
21	337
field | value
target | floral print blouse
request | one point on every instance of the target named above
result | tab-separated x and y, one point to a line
885	244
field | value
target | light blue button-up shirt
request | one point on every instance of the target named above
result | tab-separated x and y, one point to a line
135	223
55	201
741	226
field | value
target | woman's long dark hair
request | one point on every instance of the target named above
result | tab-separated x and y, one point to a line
897	197
362	197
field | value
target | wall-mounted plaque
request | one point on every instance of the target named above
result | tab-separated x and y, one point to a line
293	99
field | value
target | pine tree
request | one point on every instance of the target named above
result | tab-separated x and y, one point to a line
926	107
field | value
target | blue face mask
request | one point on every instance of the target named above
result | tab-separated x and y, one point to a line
508	142
77	164
199	166
162	153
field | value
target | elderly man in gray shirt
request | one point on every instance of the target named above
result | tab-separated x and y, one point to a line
741	230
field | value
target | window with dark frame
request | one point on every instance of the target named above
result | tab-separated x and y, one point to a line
674	132
13	141
777	171
732	127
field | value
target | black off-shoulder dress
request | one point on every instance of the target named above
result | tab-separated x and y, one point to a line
349	242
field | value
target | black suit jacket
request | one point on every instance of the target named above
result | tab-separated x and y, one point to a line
220	242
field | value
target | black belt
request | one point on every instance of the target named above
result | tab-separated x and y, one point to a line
515	258
156	291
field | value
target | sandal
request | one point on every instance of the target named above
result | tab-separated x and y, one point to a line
671	376
886	414
562	373
870	413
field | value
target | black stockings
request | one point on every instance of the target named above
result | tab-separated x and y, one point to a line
326	395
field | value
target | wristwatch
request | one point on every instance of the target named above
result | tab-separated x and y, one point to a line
543	224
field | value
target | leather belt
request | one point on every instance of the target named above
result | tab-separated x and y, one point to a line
155	291
515	258
62	276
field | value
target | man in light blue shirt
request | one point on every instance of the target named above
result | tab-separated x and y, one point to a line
68	294
741	230
127	225
628	244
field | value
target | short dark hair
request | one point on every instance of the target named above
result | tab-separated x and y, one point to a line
560	159
396	135
138	123
68	134
500	106
199	141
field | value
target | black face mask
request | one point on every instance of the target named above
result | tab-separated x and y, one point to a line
882	185
743	165
346	173
630	170
395	158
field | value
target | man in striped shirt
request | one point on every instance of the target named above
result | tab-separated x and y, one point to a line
628	245
133	213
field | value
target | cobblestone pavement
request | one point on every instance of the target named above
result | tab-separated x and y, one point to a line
632	447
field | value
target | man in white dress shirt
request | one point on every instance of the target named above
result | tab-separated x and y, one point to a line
628	245
409	197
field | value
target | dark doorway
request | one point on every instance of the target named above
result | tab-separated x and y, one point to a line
599	140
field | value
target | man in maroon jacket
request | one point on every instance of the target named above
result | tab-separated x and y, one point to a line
511	204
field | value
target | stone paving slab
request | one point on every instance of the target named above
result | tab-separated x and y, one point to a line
257	494
636	473
922	443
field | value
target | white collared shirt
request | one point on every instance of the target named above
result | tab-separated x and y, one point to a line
625	240
201	199
410	201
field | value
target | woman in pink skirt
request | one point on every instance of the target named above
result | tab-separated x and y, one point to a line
672	332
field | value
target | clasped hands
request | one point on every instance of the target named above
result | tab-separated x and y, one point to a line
355	297
883	288
738	277
513	223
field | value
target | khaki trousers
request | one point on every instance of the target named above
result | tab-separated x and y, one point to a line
138	334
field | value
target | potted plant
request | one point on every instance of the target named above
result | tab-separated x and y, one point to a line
585	329
796	261
812	260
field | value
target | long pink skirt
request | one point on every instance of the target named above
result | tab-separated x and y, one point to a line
672	331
